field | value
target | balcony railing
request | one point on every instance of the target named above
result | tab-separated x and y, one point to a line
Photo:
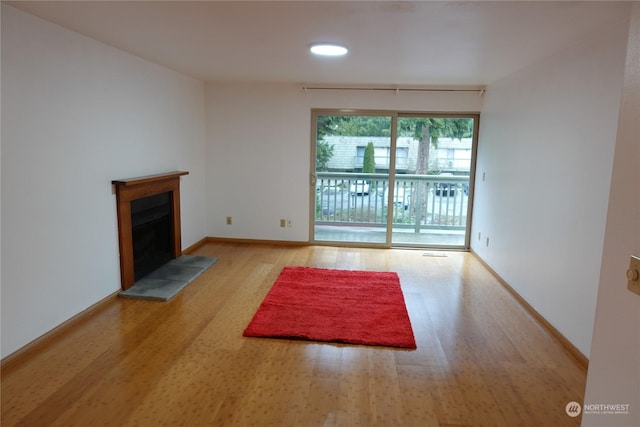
417	202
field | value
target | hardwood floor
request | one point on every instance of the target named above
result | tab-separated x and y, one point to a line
481	359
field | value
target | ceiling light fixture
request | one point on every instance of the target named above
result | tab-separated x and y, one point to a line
328	49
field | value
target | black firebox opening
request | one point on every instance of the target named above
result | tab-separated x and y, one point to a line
152	233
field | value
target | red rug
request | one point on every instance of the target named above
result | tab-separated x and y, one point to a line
357	307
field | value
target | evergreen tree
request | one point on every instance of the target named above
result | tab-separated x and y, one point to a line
369	161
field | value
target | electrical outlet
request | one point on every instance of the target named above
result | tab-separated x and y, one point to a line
283	223
633	275
289	223
229	221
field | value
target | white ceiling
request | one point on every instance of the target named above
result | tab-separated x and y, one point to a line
401	43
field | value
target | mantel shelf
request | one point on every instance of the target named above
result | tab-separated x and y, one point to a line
149	178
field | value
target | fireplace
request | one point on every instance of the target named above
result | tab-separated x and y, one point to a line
151	233
148	223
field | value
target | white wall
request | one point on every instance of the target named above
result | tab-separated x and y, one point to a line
547	135
614	367
259	145
77	114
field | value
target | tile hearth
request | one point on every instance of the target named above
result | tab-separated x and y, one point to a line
165	282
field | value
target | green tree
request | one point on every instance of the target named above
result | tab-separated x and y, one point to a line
366	126
327	126
324	153
369	161
353	126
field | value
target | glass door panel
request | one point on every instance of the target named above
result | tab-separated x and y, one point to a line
351	177
432	180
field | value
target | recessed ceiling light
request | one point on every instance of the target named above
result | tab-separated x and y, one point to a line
328	49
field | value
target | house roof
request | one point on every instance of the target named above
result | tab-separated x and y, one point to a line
400	43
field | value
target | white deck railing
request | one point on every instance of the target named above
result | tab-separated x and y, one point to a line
418	201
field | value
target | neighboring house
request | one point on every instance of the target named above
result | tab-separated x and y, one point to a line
452	155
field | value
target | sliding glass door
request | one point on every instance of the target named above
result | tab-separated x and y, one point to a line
392	179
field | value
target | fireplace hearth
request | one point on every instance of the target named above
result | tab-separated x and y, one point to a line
149	231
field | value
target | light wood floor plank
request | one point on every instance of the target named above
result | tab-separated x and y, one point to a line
482	360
